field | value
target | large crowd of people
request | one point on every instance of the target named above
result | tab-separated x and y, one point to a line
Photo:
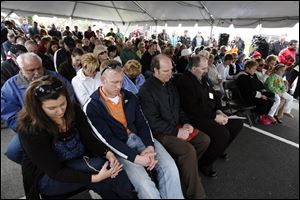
135	117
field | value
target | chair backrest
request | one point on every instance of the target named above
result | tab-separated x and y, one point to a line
231	90
233	94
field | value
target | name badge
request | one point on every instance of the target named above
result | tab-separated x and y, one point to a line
211	95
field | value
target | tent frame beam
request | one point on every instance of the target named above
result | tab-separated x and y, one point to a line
105	6
144	10
118	12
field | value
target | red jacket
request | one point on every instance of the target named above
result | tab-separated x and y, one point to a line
287	57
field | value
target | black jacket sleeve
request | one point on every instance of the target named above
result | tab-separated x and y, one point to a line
38	147
90	141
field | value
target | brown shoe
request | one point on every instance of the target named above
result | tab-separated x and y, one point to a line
278	120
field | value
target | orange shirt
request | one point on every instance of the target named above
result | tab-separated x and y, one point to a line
116	110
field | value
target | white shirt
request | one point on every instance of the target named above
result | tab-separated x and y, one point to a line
85	86
117	58
198	41
224	71
214	77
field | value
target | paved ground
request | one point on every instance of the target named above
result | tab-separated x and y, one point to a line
259	166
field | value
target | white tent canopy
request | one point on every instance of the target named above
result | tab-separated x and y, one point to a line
243	14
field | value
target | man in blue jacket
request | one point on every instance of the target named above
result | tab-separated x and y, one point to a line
118	121
12	99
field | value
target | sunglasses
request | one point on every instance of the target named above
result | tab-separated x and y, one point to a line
103	52
110	66
43	90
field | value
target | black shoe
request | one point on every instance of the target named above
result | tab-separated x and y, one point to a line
208	172
224	156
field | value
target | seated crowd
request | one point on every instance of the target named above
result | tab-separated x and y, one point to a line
142	119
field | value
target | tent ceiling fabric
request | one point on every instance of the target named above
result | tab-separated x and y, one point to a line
245	14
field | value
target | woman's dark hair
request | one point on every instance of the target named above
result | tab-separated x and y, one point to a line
32	117
111	49
77	52
50	44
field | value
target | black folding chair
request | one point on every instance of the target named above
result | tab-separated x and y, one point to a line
234	101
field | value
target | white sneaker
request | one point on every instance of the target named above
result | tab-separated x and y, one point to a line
289	115
94	195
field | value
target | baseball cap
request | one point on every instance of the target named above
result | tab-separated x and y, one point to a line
256	54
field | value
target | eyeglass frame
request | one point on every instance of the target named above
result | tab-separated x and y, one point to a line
110	66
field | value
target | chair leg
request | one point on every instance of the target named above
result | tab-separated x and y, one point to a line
249	118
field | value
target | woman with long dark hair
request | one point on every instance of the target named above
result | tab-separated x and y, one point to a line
61	153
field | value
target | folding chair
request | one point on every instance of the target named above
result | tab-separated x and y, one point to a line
234	101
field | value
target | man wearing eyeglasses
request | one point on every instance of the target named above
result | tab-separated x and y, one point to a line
12	93
118	121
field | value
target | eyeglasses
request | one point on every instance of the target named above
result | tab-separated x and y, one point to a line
109	66
103	52
43	90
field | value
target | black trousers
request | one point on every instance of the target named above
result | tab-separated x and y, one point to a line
186	155
220	138
291	77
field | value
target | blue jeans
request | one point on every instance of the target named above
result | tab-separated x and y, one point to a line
167	173
119	187
14	150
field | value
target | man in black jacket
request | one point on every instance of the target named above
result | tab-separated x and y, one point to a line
161	106
200	102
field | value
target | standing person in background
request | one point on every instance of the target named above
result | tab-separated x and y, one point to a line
198	41
240	44
77	33
54	32
287	56
111	33
163	38
185	39
277	46
119	35
34	30
89	33
173	39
